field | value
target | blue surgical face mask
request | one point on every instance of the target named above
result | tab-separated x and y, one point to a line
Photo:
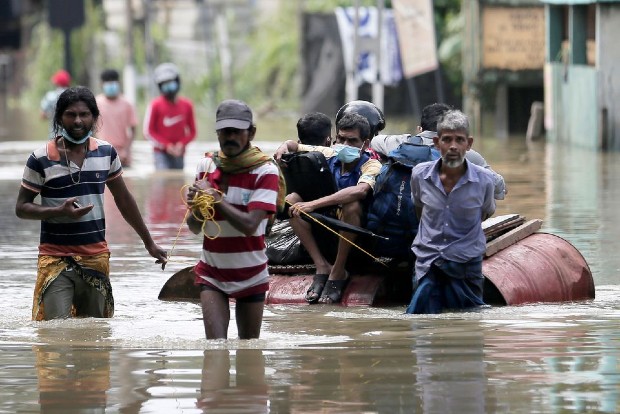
169	87
69	138
111	89
347	153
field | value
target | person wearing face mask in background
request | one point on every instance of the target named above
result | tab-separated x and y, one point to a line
169	120
118	116
354	171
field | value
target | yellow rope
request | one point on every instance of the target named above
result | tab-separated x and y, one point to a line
376	259
203	204
203	210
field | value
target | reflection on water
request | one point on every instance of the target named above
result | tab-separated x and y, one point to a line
70	377
471	364
440	389
234	383
152	356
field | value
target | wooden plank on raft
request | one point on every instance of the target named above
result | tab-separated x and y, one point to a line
497	220
496	226
501	229
513	236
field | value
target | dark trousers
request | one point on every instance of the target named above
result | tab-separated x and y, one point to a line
449	285
164	161
70	289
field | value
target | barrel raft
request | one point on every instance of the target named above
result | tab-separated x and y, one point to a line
541	267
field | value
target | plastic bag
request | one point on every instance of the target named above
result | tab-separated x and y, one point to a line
284	247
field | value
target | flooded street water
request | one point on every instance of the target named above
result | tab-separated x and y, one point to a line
151	357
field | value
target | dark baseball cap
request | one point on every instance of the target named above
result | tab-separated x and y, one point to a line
232	113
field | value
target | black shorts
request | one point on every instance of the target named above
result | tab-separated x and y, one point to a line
327	241
257	297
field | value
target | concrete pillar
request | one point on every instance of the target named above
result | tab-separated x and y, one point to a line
501	111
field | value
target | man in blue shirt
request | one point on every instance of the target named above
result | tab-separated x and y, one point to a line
354	172
452	197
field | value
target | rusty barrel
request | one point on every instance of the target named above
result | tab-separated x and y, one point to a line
540	268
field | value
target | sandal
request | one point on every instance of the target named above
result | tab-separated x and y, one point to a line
333	290
316	288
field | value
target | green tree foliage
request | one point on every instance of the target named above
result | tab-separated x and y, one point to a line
271	69
264	65
46	54
449	24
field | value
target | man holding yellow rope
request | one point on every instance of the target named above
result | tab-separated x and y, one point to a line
244	187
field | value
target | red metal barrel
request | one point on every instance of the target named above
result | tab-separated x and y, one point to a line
540	268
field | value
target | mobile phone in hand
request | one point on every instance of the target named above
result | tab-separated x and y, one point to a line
77	205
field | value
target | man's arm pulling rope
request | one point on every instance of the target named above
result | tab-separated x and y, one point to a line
376	259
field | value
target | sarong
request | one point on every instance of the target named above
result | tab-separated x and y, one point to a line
449	286
95	270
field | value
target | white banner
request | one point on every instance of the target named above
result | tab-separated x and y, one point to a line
367	67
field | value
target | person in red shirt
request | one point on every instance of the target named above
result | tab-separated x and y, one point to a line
169	120
61	80
246	188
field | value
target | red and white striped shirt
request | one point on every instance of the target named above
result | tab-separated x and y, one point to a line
235	263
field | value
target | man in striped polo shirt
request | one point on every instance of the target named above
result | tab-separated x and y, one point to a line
70	174
245	188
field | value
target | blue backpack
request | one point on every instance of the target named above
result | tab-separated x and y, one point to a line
391	213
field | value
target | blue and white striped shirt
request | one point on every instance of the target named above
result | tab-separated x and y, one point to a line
48	174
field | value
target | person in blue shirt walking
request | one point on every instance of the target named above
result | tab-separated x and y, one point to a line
452	196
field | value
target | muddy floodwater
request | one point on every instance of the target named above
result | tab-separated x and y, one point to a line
151	357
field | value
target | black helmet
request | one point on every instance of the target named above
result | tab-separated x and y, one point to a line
366	109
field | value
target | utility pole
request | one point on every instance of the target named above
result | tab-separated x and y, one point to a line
66	15
373	46
223	41
129	71
351	86
377	86
149	49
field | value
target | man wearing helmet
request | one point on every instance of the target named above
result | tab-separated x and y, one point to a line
368	110
169	121
354	172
